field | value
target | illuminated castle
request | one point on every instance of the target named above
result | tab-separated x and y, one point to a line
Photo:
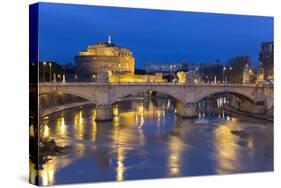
105	56
105	60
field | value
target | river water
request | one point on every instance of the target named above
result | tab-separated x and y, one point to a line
147	139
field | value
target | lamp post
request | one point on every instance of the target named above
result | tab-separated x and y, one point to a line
230	76
119	66
59	76
50	66
197	73
173	72
54	77
223	72
251	72
171	67
63	78
44	64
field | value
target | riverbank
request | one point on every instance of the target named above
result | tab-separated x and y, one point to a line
264	116
60	108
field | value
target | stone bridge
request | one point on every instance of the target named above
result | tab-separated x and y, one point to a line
186	95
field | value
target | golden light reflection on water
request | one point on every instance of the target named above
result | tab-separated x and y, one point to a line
46	131
160	115
124	136
45	176
120	164
120	145
174	160
79	125
139	120
118	139
94	129
61	128
176	146
140	108
125	126
227	151
48	174
115	110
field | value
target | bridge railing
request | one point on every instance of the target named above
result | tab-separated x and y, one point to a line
142	83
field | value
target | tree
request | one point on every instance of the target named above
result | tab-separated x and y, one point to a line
209	72
237	64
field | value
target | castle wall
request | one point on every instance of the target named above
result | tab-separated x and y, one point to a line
104	57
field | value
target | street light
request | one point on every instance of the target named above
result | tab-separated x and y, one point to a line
59	76
223	78
197	72
171	67
50	64
44	64
230	77
251	72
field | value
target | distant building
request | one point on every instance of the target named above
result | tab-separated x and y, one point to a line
105	56
266	59
165	69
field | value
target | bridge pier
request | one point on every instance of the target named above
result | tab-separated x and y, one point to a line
188	110
104	113
258	108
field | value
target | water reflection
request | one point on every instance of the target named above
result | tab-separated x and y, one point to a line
61	128
48	174
46	131
227	151
174	161
118	140
147	140
78	125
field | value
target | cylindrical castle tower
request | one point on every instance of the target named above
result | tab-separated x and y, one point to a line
104	56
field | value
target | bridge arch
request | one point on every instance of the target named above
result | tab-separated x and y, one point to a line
235	92
120	95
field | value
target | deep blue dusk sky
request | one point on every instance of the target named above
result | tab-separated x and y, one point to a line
153	35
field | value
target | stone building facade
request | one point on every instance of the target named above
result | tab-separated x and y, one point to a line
266	59
102	57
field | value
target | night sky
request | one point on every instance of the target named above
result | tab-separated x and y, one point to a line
153	35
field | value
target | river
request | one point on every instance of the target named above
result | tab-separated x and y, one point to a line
146	139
